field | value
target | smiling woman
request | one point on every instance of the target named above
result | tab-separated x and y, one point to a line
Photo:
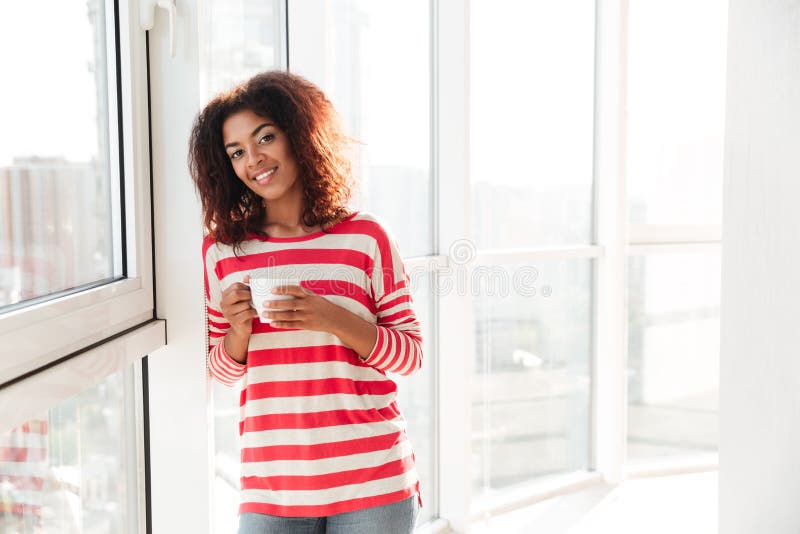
323	440
228	146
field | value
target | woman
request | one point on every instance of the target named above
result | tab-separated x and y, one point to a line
323	443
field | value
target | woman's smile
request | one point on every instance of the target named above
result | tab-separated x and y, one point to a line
264	177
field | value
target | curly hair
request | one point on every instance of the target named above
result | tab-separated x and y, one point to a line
231	211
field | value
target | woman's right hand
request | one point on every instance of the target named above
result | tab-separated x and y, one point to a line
235	306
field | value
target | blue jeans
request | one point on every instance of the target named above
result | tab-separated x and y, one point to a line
395	518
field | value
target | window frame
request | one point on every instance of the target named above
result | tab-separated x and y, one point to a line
43	334
615	240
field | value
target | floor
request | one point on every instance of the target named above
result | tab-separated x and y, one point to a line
685	504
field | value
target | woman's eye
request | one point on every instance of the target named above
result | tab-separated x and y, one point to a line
266	138
237	154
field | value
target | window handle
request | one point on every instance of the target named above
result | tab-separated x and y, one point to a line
147	14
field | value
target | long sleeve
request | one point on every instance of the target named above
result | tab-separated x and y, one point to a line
398	348
220	365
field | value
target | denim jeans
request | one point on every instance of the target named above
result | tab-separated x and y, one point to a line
395	518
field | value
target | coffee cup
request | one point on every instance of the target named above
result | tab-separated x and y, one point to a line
261	292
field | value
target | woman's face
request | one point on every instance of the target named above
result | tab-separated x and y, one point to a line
260	154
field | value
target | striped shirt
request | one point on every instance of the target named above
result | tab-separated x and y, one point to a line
321	432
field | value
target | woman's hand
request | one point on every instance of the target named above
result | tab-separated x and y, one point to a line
235	306
306	310
314	312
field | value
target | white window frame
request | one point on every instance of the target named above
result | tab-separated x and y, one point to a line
57	348
615	240
40	335
642	240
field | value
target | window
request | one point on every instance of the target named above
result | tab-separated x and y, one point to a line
74	183
76	281
531	156
674	162
531	128
75	467
673	355
531	382
57	180
243	38
676	112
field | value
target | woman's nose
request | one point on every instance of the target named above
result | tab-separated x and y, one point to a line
254	158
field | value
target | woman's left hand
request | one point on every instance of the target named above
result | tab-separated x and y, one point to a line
307	310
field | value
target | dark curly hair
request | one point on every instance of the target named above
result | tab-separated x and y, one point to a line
231	211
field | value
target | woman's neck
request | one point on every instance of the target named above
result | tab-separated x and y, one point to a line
284	217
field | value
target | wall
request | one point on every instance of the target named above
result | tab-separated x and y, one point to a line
760	368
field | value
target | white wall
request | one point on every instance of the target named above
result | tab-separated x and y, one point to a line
760	367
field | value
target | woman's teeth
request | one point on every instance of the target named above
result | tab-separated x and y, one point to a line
264	175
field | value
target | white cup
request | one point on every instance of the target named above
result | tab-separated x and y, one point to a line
261	292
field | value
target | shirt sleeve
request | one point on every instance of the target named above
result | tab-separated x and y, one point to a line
398	348
220	366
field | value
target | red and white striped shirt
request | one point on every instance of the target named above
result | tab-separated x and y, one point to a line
321	433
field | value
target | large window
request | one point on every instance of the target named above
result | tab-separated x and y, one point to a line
477	127
531	130
76	281
563	160
675	128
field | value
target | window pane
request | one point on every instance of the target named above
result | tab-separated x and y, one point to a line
673	355
56	228
374	64
676	111
531	115
242	37
72	469
531	383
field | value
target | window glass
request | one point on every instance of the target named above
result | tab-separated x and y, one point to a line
56	145
73	468
531	122
673	355
372	59
531	381
676	111
241	42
